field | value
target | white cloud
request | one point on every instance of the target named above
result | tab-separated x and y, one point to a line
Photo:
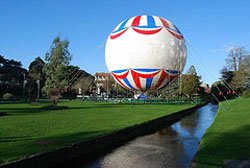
224	48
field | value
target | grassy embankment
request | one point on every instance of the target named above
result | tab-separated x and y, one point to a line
228	138
28	130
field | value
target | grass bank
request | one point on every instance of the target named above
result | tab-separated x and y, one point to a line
28	130
228	138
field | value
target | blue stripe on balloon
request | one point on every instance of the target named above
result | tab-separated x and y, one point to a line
146	70
172	71
148	82
120	71
147	27
128	83
121	27
151	21
177	29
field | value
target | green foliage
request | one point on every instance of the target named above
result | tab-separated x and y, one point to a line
36	69
226	75
228	136
238	80
246	94
189	84
28	126
171	90
11	76
8	96
75	74
58	59
35	78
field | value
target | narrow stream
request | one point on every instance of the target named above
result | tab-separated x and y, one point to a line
174	146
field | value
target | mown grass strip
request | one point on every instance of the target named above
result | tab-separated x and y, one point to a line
228	138
28	130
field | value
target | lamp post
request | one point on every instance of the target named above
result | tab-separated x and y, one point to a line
38	85
38	88
24	83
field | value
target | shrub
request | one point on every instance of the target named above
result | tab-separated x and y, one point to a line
8	96
246	93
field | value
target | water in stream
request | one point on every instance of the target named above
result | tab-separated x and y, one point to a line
174	146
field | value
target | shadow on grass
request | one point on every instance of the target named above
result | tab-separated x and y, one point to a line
71	138
21	110
3	114
14	138
27	146
27	110
232	145
50	107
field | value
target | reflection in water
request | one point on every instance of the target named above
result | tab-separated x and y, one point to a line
149	151
174	146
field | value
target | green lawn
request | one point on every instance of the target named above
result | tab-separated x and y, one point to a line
29	130
228	138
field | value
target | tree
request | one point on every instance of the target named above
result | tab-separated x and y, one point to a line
3	61
74	73
36	69
11	77
14	63
36	78
84	84
236	74
226	75
58	59
192	70
246	70
241	78
238	80
234	59
190	82
171	90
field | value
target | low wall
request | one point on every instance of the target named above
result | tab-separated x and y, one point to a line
95	146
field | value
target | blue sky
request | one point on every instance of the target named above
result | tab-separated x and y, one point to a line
210	28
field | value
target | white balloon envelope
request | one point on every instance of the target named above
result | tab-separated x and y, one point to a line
145	53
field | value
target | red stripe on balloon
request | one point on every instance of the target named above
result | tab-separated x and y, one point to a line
119	77
179	36
164	22
161	79
114	36
136	21
136	77
163	76
148	32
123	84
147	75
173	78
